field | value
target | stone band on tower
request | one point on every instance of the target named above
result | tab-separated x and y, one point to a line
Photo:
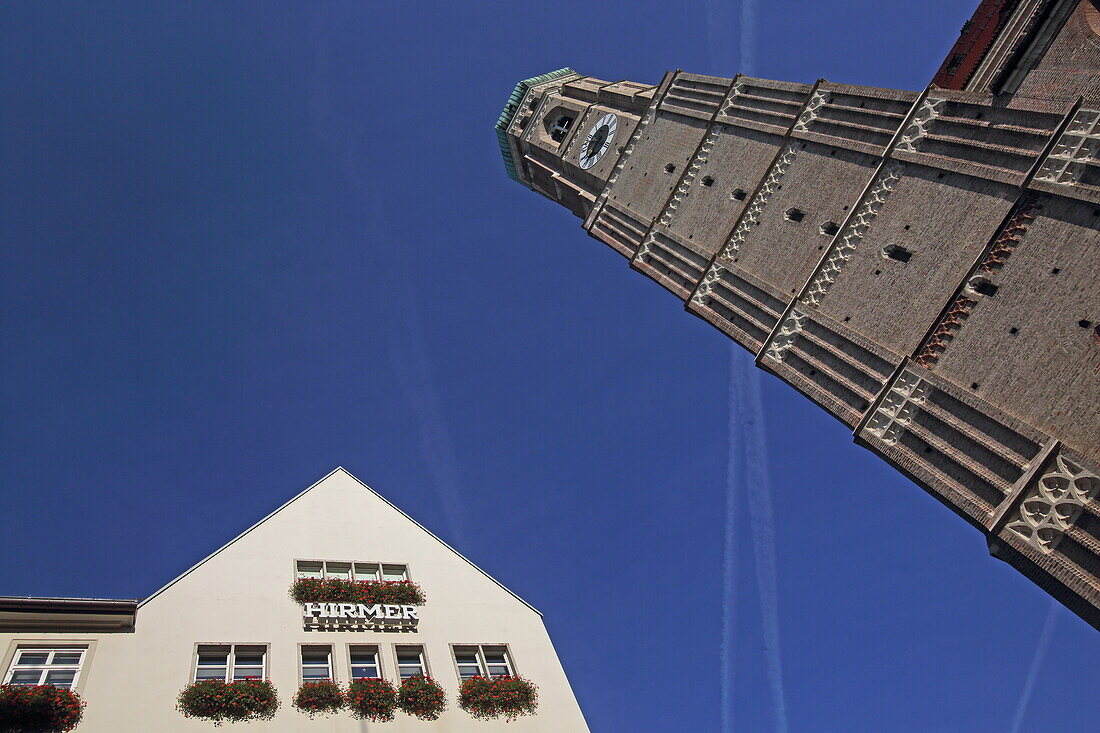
923	266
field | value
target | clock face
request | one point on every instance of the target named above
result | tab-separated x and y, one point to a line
598	140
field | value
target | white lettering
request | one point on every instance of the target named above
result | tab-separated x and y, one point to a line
410	612
393	612
314	609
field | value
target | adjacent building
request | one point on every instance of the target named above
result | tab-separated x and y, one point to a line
230	617
923	265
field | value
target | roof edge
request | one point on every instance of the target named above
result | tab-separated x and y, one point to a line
315	484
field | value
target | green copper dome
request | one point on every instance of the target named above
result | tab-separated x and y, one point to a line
509	112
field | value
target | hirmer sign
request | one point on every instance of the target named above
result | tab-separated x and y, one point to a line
376	613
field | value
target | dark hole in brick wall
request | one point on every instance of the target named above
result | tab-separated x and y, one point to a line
973	385
1056	270
878	272
669	167
1013	330
793	214
983	286
897	252
906	227
739	194
847	318
708	181
1083	323
830	228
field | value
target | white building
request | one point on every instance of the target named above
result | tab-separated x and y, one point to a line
231	615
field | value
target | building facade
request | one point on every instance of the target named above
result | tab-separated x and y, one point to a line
922	265
230	617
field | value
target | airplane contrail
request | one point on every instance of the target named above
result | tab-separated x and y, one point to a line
762	521
1036	665
408	354
734	474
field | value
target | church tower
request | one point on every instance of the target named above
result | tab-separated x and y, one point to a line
922	265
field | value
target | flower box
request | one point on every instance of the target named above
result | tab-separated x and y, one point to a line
319	698
39	708
338	590
236	701
421	697
498	697
372	699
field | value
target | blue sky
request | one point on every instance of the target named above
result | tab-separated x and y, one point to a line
244	243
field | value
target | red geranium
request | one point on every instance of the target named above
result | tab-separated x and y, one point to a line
370	592
319	698
39	708
372	698
421	697
495	697
235	701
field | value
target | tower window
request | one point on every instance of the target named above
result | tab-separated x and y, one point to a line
830	228
897	252
559	127
669	167
708	181
738	194
793	214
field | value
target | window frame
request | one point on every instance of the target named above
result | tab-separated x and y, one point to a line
483	664
377	660
302	648
19	646
426	670
379	567
231	659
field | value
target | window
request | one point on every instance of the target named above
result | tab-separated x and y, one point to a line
230	662
830	228
739	194
316	663
484	661
366	571
364	662
362	571
311	569
395	572
341	570
46	666
793	214
467	661
560	127
410	661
